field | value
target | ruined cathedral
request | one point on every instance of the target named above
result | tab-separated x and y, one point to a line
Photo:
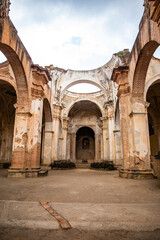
41	121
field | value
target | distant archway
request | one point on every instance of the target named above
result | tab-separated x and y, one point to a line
85	145
8	98
153	97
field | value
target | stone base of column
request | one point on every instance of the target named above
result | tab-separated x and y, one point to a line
23	173
136	173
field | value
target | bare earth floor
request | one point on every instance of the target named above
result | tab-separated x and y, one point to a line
97	204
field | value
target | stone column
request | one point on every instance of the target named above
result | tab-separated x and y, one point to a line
35	128
97	148
139	117
105	138
73	146
110	110
124	104
20	151
65	130
134	132
69	146
27	140
102	147
118	147
56	126
47	145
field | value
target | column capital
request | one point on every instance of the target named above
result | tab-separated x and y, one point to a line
57	111
104	122
4	8
66	121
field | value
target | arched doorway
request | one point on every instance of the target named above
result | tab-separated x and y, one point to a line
85	130
8	98
46	134
153	97
85	145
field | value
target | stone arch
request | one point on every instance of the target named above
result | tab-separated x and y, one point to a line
153	97
144	58
19	73
13	84
85	99
153	80
81	81
8	98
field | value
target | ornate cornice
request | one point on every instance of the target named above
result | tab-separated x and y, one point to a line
57	111
4	8
37	91
40	78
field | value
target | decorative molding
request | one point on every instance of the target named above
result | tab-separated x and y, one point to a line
4	8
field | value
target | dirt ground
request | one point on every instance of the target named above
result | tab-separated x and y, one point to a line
75	234
98	204
80	186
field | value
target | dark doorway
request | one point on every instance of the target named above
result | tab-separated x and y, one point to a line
85	144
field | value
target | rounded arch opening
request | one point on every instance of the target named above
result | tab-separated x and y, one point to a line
142	67
85	145
86	106
46	134
82	88
81	82
18	70
8	98
153	98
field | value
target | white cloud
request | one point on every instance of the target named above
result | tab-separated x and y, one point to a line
48	34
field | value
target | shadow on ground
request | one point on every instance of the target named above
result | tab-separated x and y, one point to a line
75	234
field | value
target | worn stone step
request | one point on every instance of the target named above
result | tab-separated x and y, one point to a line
83	165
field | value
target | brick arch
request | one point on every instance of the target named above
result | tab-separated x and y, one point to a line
19	59
142	66
16	64
147	41
72	104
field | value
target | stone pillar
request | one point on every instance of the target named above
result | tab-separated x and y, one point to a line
27	141
97	148
73	146
110	110
35	128
20	153
124	104
56	126
141	142
102	147
118	147
65	130
105	138
47	144
69	146
134	132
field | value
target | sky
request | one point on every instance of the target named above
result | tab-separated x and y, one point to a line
76	34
